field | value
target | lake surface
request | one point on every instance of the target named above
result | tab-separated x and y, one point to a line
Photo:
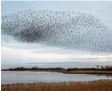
9	77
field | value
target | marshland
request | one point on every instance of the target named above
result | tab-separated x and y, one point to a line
57	79
100	85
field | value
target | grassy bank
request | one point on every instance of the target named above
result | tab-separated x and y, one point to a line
101	85
88	72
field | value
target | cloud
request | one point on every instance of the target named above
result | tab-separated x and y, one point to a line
15	56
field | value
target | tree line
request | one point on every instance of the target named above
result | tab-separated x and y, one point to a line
98	67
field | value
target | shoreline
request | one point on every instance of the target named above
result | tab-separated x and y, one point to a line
88	72
99	72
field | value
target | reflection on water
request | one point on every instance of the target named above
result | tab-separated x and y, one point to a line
8	77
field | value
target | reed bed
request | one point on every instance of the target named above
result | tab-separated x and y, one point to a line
100	85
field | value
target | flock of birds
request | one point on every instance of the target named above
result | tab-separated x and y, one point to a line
66	29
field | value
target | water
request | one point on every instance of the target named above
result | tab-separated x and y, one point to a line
8	77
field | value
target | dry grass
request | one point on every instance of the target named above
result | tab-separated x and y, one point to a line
88	72
102	85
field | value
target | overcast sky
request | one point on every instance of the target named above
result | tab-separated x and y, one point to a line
103	10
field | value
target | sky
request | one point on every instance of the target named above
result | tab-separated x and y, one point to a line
14	52
101	9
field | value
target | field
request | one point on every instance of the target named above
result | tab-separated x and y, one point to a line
100	85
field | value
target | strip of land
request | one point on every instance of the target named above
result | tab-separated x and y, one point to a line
99	70
101	85
88	72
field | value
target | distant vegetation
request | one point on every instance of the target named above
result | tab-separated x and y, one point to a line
96	70
33	69
98	67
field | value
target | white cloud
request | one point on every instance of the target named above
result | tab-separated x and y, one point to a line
14	55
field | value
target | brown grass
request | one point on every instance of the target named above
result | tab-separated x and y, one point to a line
101	85
88	72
